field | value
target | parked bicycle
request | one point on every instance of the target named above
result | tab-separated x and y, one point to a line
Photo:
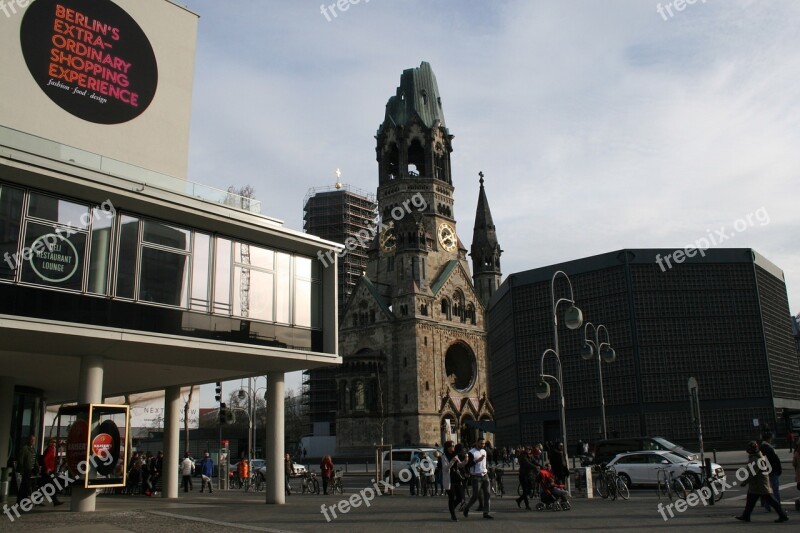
670	486
610	484
309	483
338	482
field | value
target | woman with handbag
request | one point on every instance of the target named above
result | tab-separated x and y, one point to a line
451	478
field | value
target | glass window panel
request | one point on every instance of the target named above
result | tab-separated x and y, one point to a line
164	278
253	296
316	268
53	258
166	235
10	222
128	250
222	277
302	303
200	267
56	210
102	228
283	289
302	266
247	254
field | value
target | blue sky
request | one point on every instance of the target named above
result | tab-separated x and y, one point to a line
599	125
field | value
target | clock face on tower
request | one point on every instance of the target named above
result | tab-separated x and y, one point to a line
447	236
386	239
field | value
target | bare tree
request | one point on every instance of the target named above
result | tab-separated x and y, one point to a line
186	411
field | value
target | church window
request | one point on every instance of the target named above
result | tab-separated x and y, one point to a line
446	309
425	341
342	395
416	158
458	306
423	309
424	94
371	316
471	314
427	386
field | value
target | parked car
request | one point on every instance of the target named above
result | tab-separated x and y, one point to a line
297	470
605	450
641	468
403	457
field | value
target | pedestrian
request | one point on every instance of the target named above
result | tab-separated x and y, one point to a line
326	467
146	484
757	484
288	468
187	468
526	473
559	466
451	474
206	471
27	467
49	469
796	465
476	461
438	480
156	468
775	463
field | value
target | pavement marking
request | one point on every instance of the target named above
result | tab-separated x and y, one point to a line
219	523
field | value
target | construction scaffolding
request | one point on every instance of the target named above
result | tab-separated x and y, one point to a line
336	213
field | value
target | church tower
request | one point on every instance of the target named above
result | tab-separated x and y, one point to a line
485	250
412	337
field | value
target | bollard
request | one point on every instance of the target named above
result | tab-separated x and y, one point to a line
4	483
715	454
709	475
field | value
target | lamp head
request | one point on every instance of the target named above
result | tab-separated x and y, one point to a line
587	352
542	390
573	317
608	354
242	394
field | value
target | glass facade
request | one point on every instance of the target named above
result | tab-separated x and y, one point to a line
90	250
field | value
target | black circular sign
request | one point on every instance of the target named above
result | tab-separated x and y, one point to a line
106	466
90	57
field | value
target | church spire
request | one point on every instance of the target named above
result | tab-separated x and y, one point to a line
485	250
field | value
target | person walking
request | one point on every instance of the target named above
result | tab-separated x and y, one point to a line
757	484
559	466
288	468
187	468
451	466
326	467
26	467
206	471
796	465
775	462
49	470
526	473
156	468
790	440
476	459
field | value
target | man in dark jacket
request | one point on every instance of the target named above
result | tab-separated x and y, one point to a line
527	471
206	471
26	466
775	463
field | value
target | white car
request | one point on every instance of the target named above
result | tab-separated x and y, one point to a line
641	468
297	470
403	457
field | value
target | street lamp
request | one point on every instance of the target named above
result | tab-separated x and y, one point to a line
573	319
605	353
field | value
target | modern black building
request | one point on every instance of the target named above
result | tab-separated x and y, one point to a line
722	318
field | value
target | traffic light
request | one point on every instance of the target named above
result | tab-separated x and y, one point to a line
219	392
225	415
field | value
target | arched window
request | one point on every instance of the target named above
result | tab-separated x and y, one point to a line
458	306
359	400
446	308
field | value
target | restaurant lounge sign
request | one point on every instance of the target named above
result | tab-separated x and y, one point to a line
90	58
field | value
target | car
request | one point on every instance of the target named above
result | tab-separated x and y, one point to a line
297	470
607	449
641	468
255	464
401	458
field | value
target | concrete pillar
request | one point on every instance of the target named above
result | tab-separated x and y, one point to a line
172	436
275	439
6	413
90	390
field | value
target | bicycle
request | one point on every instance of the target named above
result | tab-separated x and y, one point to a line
338	483
309	483
714	483
669	485
496	482
610	484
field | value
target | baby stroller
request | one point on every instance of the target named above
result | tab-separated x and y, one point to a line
551	500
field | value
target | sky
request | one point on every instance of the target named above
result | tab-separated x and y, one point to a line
598	125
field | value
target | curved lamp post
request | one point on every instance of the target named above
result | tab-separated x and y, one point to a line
573	319
604	352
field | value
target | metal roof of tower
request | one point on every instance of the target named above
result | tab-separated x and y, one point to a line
418	94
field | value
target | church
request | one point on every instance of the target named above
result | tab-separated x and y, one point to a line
413	335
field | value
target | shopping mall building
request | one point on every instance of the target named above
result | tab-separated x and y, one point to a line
117	274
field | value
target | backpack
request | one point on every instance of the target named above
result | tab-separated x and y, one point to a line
470	460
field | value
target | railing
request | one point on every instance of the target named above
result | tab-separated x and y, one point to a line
25	142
